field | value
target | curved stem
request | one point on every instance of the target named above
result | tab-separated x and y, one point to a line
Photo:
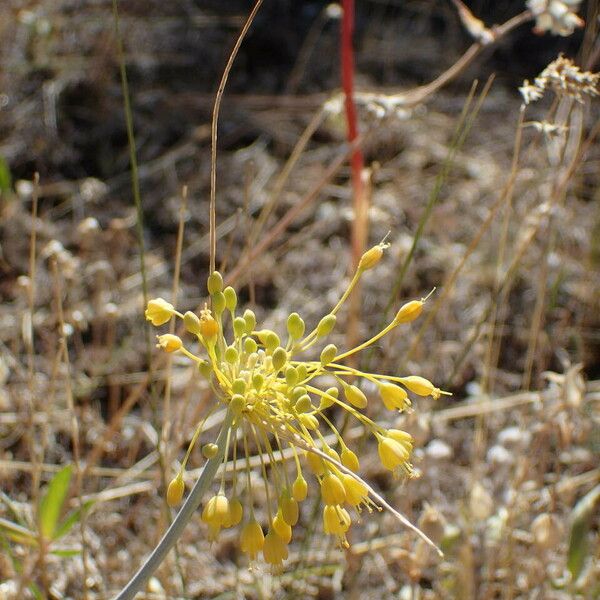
186	512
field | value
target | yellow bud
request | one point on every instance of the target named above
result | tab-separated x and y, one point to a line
169	342
409	312
258	381
355	396
269	339
332	489
252	539
299	488
159	311
371	257
238	386
210	450
291	375
289	508
315	462
239	327
230	298
282	529
237	404
303	404
214	283
279	358
350	460
192	322
218	303
250	319
419	385
326	325
205	369
295	326
393	396
250	346
231	355
234	516
328	400
328	354
216	511
175	491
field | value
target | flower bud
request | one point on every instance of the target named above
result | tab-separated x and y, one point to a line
169	342
175	491
210	450
208	326
237	404
332	489
205	369
356	492
355	396
326	325
409	312
252	539
349	459
303	404
250	319
295	326
238	386
239	327
282	529
214	283
309	421
371	257
218	303
258	381
230	298
279	358
394	397
191	322
291	375
269	339
419	385
289	508
328	354
299	488
250	346
231	355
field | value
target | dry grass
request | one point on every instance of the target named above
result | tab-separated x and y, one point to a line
512	331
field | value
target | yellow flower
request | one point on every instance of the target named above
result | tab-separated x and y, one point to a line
159	311
252	539
274	550
336	521
169	342
392	453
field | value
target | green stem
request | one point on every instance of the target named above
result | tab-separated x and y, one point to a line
181	520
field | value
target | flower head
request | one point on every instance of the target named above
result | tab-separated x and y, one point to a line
278	411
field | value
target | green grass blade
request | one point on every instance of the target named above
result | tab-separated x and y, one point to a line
52	502
17	533
73	517
581	519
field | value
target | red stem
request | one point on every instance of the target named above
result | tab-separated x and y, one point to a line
356	159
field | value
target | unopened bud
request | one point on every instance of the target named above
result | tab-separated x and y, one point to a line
279	358
371	257
192	322
175	491
328	354
355	396
326	325
409	312
210	450
169	342
250	319
230	298
214	283
295	326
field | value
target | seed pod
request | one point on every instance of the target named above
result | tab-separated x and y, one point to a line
175	491
409	312
250	319
295	326
214	283
230	298
279	358
191	322
328	354
326	325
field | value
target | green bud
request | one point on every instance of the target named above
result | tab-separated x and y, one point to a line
237	404
191	322
231	355
257	381
297	392
295	326
210	450
291	375
326	325
238	386
230	298
205	369
250	319
239	327
250	346
279	358
269	339
218	303
328	400
303	404
328	354
214	283
302	372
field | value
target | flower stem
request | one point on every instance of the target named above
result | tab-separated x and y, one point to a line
186	512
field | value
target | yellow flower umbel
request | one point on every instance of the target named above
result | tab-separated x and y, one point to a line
279	414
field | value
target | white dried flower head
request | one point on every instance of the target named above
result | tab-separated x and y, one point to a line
557	16
530	92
